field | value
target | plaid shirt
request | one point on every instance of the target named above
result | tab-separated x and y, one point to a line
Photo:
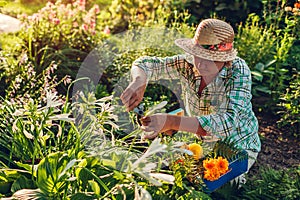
223	108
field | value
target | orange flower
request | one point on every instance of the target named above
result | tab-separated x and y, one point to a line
297	5
222	165
209	164
179	161
212	174
214	168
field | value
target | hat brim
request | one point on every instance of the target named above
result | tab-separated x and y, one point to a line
188	46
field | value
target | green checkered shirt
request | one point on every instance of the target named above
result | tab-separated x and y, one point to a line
223	108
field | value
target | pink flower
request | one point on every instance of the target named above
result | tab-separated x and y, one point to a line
56	21
93	25
34	18
85	27
75	24
22	16
93	32
82	3
49	4
96	9
106	30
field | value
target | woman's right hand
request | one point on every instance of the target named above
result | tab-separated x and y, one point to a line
134	93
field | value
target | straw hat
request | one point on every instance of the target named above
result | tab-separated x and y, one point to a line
213	40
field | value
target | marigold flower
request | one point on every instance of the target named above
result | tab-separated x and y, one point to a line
297	5
209	164
212	174
214	168
197	150
222	165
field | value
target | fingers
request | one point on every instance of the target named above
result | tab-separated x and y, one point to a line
145	121
169	132
130	99
150	126
151	136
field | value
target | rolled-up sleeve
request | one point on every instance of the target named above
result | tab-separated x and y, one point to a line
161	68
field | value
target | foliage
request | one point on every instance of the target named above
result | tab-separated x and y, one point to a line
59	26
30	131
232	10
124	15
270	45
14	8
44	134
272	184
65	33
290	114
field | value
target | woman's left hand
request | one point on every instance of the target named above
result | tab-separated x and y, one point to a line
156	123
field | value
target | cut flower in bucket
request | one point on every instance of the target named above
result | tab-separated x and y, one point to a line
215	167
210	167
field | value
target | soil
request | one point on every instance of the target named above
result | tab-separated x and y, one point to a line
280	149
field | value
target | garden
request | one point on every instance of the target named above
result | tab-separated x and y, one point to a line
64	133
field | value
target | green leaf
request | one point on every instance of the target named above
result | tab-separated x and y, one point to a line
69	165
49	177
263	89
109	163
156	107
270	63
81	196
257	75
118	175
260	67
95	187
22	183
87	173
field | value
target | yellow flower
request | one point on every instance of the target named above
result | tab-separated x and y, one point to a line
197	150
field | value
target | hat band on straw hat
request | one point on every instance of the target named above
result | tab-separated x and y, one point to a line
215	47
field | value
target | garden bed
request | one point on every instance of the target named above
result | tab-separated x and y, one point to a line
279	150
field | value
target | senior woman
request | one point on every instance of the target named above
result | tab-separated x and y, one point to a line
216	86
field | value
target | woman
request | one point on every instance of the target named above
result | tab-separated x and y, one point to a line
216	88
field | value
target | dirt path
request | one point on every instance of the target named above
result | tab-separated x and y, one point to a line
280	150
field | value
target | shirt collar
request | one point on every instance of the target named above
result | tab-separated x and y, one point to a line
226	72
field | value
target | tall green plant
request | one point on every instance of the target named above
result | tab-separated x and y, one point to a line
290	103
274	184
266	48
35	129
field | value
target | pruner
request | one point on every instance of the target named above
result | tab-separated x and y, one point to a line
139	111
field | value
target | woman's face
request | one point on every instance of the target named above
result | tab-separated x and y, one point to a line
207	67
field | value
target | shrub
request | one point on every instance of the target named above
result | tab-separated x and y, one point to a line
290	103
123	15
65	33
274	184
266	47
